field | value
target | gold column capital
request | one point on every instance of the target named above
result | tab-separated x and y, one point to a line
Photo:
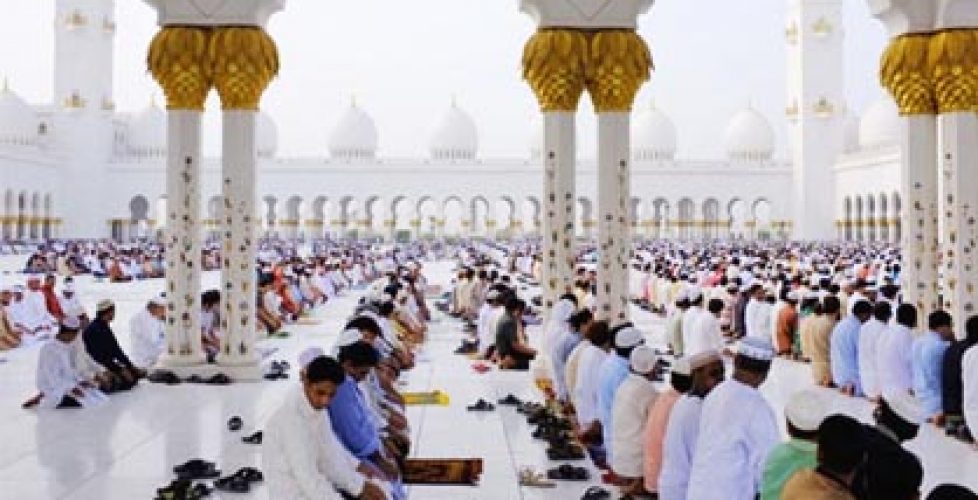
554	65
953	64
619	64
178	60
905	73
245	60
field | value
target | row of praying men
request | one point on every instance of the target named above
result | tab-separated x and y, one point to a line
343	432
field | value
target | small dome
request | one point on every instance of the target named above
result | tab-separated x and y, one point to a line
147	132
653	136
266	136
455	137
749	137
355	135
850	134
18	121
880	125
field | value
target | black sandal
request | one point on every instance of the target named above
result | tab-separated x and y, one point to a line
596	493
250	474
255	438
510	400
481	405
233	484
219	379
196	469
568	472
235	423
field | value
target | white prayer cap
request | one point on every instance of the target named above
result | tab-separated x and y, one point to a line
308	355
347	337
907	407
794	296
33	277
104	305
157	301
68	287
71	323
695	293
492	294
756	348
643	359
681	367
811	295
807	409
19	288
628	337
701	359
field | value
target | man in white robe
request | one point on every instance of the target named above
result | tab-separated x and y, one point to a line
869	336
632	402
691	316
757	315
894	349
301	456
706	334
488	317
146	333
682	431
59	382
738	429
29	309
70	305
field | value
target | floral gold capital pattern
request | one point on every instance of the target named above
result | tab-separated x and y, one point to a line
188	61
559	64
178	61
953	64
244	60
904	72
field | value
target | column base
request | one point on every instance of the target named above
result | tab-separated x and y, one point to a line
185	367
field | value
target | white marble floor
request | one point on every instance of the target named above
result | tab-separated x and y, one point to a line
125	449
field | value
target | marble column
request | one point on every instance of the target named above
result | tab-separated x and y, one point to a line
620	64
614	227
560	146
554	66
177	61
904	73
954	70
240	77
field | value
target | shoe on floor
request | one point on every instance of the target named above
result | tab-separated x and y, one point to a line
481	405
235	423
196	469
255	438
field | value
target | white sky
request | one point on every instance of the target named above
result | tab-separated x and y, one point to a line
405	59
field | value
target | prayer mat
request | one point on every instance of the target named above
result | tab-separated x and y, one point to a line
308	322
442	471
433	398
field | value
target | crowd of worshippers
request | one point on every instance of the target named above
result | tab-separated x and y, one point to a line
343	433
841	312
81	359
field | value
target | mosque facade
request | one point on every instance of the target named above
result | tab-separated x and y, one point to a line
80	168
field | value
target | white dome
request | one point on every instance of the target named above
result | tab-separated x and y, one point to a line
880	124
355	136
653	136
266	136
147	132
18	121
749	136
455	137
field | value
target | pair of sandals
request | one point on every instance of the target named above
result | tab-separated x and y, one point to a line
565	451
481	405
569	472
551	434
241	481
163	377
183	489
216	379
196	469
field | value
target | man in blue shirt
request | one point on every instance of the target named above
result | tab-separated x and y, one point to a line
611	374
348	411
928	363
844	349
